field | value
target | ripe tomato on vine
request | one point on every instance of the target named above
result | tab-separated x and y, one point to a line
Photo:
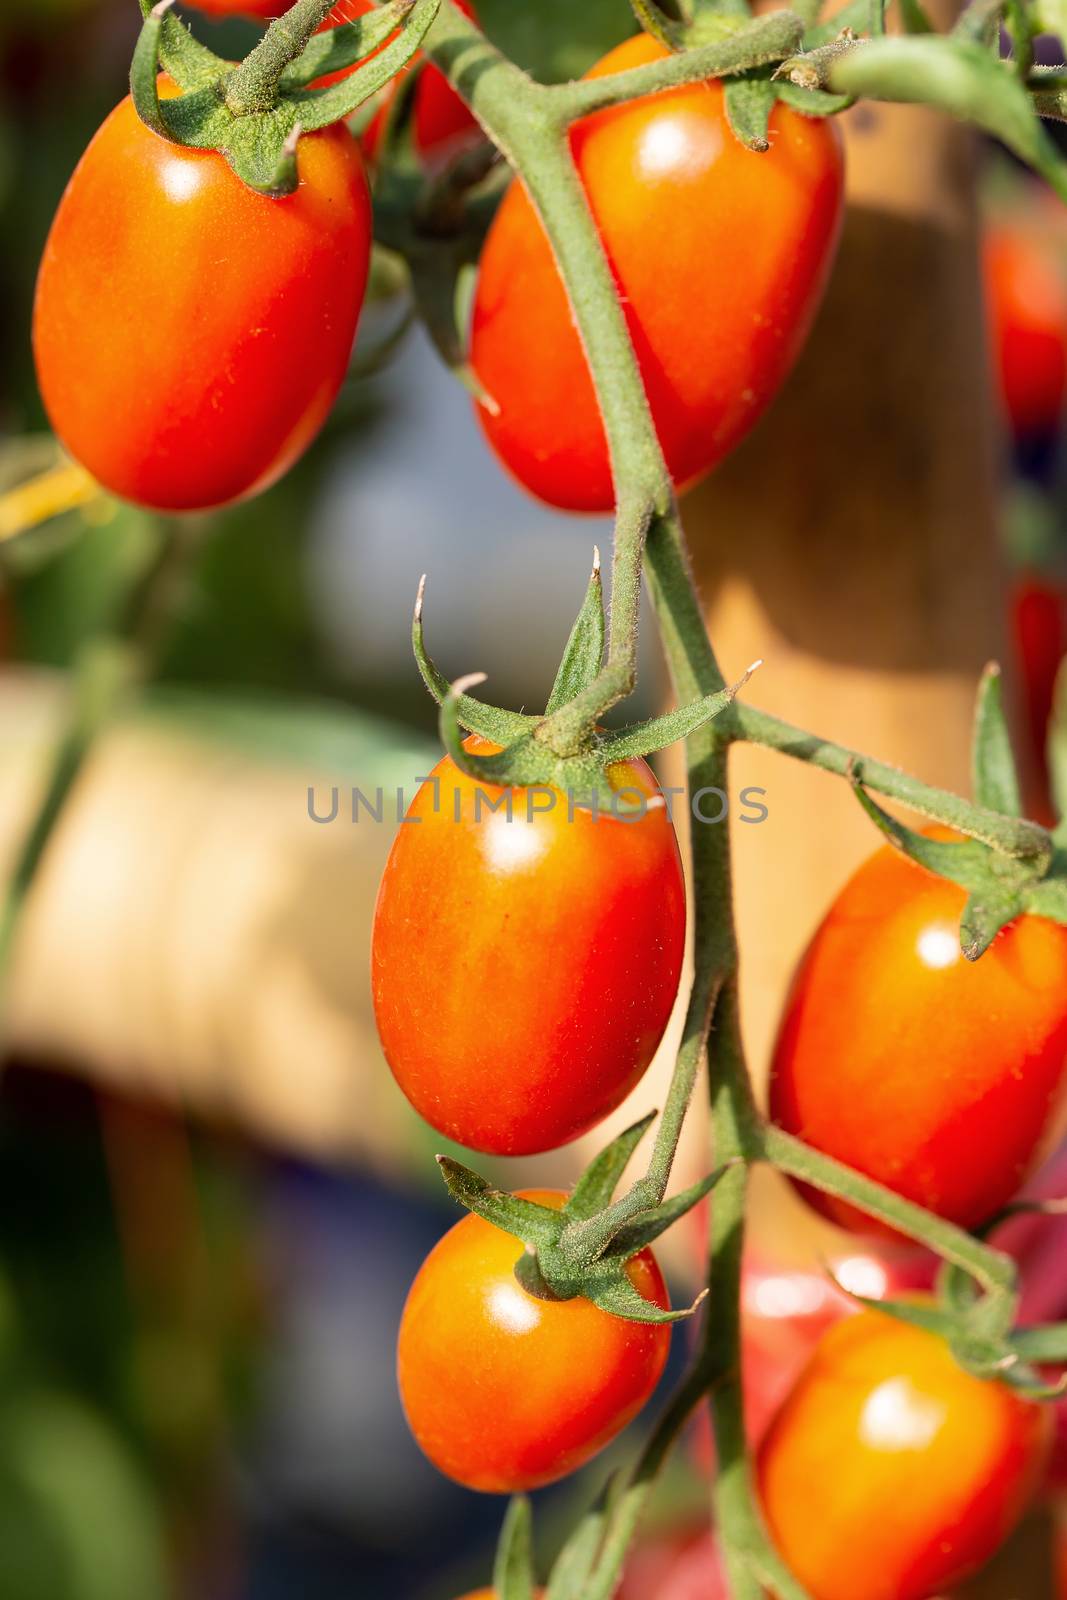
505	1391
191	335
936	1076
716	327
886	1451
575	921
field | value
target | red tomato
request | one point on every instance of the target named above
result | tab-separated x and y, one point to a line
720	255
1026	290
930	1073
490	1594
682	1567
190	335
889	1454
524	969
1039	626
506	1392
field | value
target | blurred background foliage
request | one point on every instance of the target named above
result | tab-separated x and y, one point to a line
197	1322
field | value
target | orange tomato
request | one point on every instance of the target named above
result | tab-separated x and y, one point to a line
574	923
505	1392
720	256
191	335
932	1074
889	1471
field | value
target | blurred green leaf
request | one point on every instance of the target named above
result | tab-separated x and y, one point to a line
556	39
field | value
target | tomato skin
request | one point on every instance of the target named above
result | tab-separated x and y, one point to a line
505	1392
1026	291
716	330
190	335
886	1447
577	926
934	1075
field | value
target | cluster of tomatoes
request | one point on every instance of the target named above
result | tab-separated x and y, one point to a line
191	337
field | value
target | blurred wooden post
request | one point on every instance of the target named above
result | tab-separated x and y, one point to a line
851	542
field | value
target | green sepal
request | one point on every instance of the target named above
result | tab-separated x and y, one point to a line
650	1224
645	738
812	102
537	1226
961	77
191	64
144	70
502	727
608	1286
1046	1345
513	1573
655	19
983	917
597	1185
750	100
964	861
1030	1384
584	652
574	1565
319	108
344	45
995	779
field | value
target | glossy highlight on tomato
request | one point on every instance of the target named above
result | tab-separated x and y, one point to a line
720	254
888	1454
935	1075
505	1392
524	969
190	335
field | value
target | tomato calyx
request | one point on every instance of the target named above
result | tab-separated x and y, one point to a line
254	113
1000	886
546	1270
526	759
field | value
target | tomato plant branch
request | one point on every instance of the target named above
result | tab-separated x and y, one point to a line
990	1268
1013	836
252	87
108	670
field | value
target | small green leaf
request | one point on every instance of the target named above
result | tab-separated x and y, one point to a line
609	1287
1048	898
597	1185
750	100
651	1224
644	738
513	1574
995	781
1046	1345
584	653
961	77
575	1562
502	727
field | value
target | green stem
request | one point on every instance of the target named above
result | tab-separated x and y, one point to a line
991	1268
253	86
1011	835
